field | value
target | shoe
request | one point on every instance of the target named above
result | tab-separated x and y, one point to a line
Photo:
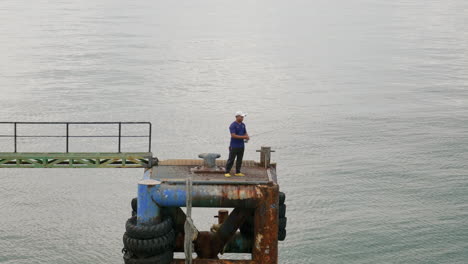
227	175
240	174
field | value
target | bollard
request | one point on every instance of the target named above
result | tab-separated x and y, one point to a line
222	216
265	156
148	211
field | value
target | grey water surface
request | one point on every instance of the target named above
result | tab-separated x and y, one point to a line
364	101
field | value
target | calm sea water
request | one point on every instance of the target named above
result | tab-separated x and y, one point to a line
365	102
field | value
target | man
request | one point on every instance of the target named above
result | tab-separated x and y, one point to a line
236	147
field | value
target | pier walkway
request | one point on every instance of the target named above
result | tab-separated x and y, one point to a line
17	136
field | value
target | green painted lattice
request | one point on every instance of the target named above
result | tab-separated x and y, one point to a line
76	160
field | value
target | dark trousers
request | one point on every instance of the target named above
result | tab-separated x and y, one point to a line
233	153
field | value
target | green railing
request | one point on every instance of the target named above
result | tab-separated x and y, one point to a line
67	159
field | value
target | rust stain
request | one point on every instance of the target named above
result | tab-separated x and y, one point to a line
258	241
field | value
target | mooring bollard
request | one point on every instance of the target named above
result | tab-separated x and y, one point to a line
148	211
265	156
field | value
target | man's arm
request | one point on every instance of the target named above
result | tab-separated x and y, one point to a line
239	137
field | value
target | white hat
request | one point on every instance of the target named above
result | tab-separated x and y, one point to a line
240	113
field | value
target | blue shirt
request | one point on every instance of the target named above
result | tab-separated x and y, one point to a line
240	130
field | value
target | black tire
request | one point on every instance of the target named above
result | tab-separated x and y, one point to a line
164	258
147	232
282	211
150	247
281	234
247	228
282	198
134	204
282	223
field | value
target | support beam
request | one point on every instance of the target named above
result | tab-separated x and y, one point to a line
210	244
265	249
77	160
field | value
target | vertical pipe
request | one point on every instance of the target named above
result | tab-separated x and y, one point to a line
265	249
149	139
222	216
15	137
67	135
120	134
148	211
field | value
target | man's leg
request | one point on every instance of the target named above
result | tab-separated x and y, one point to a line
240	156
230	160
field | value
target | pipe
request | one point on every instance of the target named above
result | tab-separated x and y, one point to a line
170	195
148	211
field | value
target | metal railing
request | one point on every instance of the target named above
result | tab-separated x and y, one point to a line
67	135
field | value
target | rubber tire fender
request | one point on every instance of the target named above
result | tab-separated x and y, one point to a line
282	198
281	234
134	204
282	223
147	232
150	247
282	211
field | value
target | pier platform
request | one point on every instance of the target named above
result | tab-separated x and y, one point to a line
178	170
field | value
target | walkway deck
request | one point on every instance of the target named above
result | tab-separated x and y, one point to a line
76	160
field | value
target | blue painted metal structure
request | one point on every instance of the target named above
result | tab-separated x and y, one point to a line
148	211
213	195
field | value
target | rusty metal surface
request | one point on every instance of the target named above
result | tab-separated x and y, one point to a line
258	191
210	195
265	249
207	245
179	170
